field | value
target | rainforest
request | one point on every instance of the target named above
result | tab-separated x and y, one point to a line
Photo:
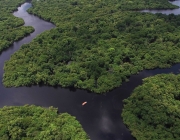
152	111
11	28
31	122
95	46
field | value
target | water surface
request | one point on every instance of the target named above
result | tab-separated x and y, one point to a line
101	116
167	12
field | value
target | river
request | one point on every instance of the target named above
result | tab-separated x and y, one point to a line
101	116
167	12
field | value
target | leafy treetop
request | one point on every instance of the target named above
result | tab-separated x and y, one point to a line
152	111
31	122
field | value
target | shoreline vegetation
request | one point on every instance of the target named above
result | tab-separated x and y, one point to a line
11	27
152	111
33	122
96	45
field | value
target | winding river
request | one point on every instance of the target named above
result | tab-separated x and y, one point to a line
101	117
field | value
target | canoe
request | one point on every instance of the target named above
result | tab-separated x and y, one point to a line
84	103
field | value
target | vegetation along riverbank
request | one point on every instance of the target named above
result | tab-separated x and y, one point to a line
33	122
152	111
96	44
11	27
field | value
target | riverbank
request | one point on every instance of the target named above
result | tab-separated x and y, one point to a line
100	118
11	28
101	58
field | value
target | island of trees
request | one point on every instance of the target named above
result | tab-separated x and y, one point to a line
31	122
11	28
96	44
152	112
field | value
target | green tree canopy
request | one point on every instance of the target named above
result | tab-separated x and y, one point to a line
152	112
11	28
31	122
96	44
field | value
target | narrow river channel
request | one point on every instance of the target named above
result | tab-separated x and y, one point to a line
101	116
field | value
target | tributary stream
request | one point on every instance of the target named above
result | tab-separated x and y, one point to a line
101	116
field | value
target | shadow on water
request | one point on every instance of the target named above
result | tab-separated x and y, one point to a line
101	116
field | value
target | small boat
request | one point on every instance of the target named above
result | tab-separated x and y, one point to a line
84	103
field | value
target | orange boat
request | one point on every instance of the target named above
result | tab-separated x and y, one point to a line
84	103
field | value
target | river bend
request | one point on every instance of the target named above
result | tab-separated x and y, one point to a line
101	117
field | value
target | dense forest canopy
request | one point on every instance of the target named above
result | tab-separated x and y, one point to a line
11	28
96	44
38	123
144	4
152	112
